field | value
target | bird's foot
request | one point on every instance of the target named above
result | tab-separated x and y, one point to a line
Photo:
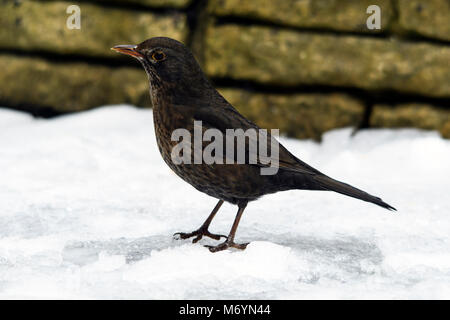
198	234
227	244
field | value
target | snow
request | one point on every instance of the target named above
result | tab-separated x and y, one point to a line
88	209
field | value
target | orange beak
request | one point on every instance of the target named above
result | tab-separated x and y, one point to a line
128	49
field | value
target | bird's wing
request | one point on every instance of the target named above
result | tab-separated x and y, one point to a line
223	116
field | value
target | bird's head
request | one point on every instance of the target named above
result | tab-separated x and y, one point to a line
168	63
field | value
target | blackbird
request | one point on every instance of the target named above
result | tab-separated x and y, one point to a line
181	95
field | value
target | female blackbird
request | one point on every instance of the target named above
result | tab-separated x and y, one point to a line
181	95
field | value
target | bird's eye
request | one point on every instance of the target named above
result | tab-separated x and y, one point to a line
158	56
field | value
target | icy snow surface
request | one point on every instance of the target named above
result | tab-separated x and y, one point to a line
88	209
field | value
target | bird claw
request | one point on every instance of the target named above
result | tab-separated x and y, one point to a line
199	235
227	244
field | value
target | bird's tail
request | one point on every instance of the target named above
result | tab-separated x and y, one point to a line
346	189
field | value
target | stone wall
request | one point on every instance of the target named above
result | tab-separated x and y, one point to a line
304	66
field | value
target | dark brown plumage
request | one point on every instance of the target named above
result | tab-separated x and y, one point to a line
181	94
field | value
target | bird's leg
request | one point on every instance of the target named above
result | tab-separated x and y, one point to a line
229	242
203	230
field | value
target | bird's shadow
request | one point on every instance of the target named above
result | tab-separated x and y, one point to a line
134	249
348	254
344	253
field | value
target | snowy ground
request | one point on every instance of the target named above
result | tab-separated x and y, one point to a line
88	208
